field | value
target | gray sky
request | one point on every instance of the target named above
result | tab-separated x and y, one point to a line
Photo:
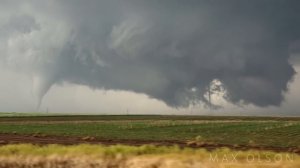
156	57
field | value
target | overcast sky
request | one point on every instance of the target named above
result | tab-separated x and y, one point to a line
154	57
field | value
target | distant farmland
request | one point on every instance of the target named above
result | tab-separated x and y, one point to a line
149	141
227	131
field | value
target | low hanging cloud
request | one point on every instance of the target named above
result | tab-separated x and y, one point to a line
170	50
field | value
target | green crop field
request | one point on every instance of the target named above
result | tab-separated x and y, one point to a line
249	141
274	132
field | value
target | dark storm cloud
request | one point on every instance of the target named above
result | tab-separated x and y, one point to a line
170	50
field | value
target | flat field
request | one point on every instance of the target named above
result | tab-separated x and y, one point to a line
158	138
253	131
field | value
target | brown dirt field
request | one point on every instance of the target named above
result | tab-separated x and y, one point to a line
64	140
